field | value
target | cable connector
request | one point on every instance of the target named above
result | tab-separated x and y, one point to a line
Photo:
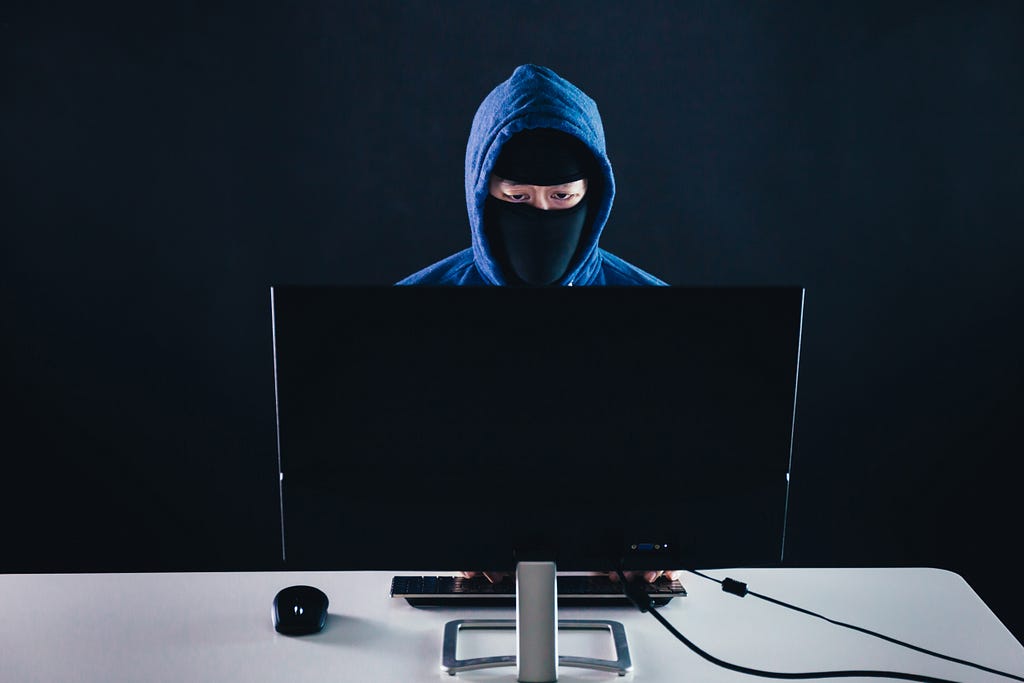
735	587
636	591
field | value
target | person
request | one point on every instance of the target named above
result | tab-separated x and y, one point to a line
539	190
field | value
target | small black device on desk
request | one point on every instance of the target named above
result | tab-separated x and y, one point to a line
300	610
573	591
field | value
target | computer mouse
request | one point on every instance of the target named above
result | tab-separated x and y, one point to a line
300	610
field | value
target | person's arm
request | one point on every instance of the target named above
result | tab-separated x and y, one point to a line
648	576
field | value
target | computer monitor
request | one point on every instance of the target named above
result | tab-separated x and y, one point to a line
471	428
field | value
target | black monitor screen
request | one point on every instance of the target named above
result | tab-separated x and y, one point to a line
468	428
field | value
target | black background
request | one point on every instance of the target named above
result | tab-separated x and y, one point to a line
163	164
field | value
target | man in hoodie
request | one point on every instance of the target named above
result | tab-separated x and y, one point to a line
539	189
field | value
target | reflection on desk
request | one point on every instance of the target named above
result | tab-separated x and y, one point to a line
217	627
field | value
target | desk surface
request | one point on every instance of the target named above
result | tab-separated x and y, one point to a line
217	627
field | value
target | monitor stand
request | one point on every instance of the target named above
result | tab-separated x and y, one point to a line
536	625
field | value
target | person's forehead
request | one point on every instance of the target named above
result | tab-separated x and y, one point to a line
514	183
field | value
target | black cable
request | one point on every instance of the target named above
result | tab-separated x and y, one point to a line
797	675
639	597
737	588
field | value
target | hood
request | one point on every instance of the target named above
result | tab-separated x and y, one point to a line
536	97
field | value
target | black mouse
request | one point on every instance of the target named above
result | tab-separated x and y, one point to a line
300	610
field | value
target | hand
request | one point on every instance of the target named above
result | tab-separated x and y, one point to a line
493	577
649	576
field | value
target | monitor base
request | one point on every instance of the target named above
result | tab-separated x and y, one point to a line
620	665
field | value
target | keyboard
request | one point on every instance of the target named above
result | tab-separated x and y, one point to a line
573	591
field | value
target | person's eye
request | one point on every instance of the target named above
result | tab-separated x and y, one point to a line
563	196
517	197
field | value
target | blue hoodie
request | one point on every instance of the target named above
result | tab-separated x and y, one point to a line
533	97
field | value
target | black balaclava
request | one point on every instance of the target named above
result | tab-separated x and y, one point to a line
532	244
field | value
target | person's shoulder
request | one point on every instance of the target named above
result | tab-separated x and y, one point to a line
618	271
457	269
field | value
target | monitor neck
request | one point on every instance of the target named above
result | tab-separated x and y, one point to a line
536	622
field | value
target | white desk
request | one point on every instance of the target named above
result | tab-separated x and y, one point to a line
196	627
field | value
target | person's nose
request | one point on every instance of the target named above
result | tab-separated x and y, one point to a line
542	202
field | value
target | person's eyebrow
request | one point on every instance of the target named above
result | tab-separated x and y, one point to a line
514	182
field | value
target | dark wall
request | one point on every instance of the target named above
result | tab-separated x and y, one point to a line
164	164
